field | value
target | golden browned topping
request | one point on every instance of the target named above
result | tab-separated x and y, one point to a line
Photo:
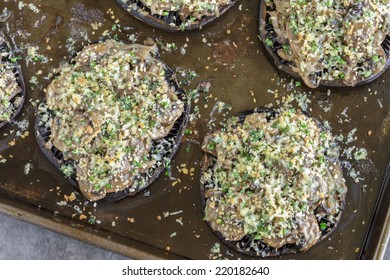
276	180
189	11
333	39
9	86
108	107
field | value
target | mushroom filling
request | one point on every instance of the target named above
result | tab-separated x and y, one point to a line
273	179
107	108
189	11
333	39
9	86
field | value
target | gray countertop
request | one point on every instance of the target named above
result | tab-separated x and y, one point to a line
20	240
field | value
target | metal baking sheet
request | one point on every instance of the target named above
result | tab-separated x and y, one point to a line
166	220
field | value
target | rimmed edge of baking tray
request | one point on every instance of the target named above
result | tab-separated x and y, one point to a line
378	233
83	232
374	245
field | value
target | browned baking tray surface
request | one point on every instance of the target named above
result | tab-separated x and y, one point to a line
166	221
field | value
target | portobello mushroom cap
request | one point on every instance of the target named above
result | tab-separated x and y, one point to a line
112	118
177	15
271	182
12	88
330	43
